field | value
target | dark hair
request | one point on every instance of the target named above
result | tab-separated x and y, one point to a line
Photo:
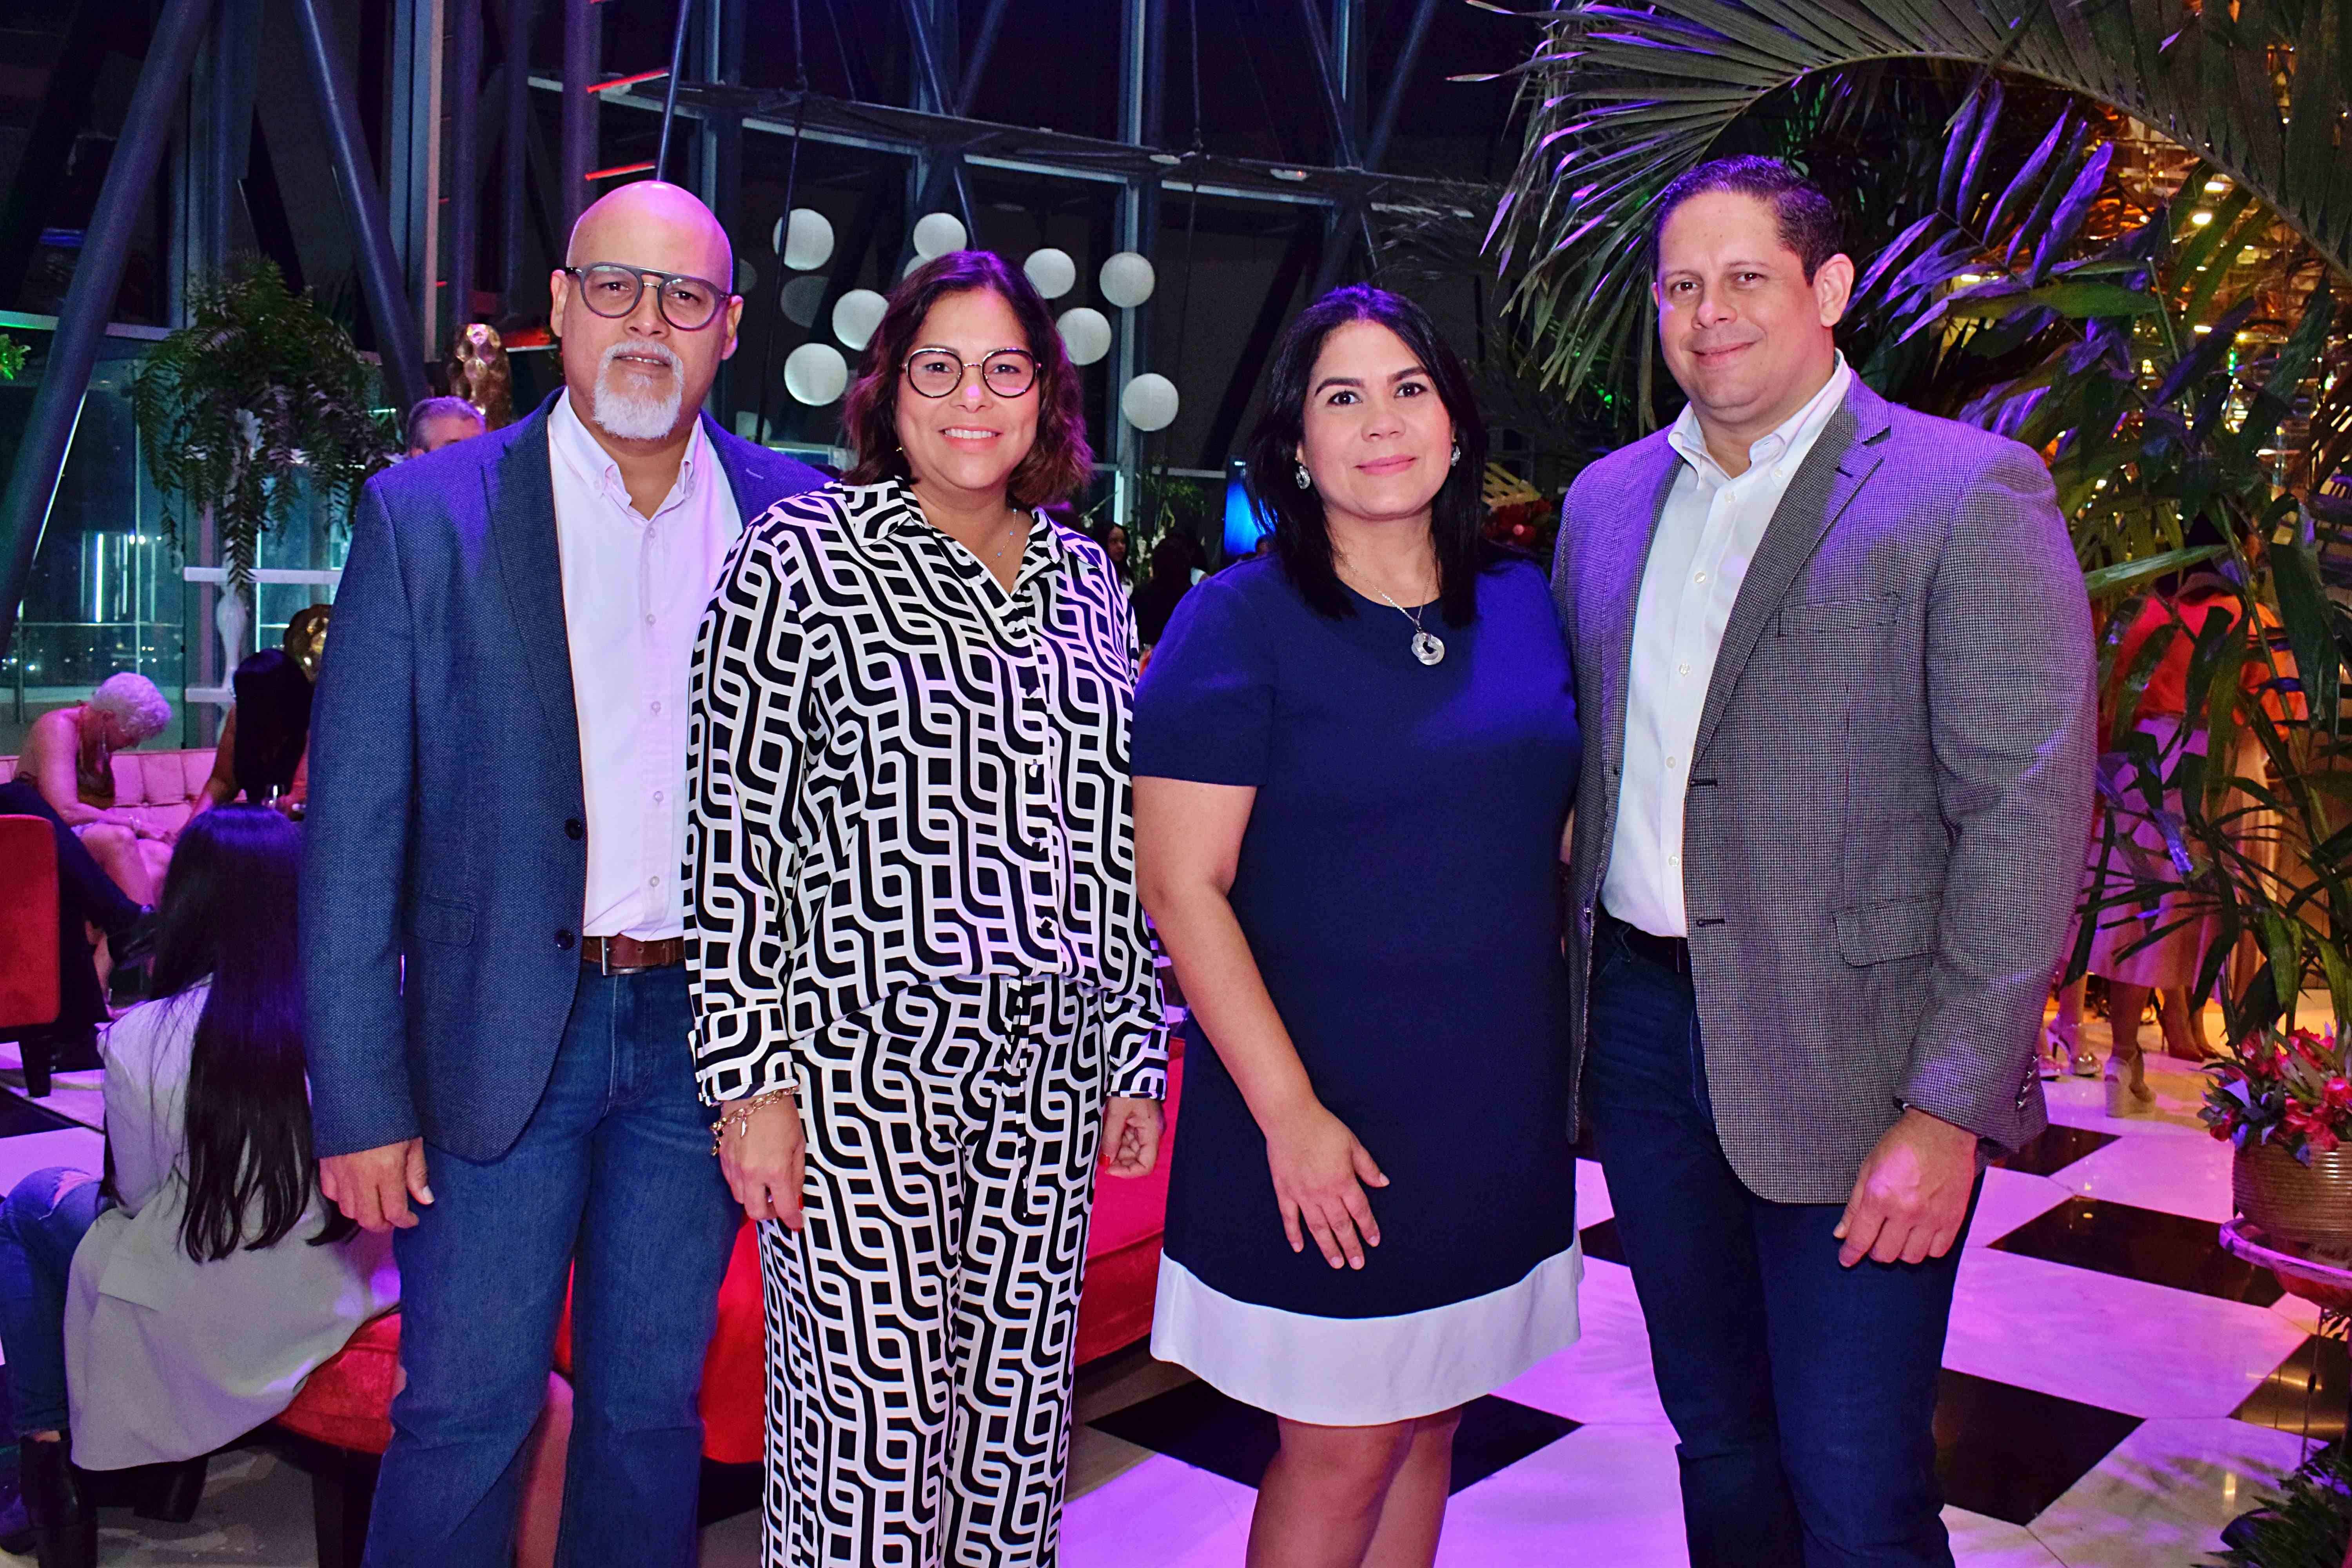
439	408
227	915
1302	539
273	722
1808	224
1059	463
1174	557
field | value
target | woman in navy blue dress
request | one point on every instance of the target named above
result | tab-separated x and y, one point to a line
1354	761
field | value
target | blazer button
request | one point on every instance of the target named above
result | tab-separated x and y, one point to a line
564	942
575	828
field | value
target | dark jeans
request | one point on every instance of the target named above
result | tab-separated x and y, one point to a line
85	893
1803	1393
612	1177
43	1220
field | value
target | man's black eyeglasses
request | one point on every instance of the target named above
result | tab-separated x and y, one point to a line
612	290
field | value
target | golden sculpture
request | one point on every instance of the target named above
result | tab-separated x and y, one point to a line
479	373
306	637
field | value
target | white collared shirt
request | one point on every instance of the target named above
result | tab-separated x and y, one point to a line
634	592
1707	535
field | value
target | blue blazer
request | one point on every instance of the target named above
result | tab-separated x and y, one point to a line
445	856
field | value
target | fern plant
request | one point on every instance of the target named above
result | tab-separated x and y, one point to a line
258	393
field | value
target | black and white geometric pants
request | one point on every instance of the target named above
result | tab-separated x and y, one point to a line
920	1326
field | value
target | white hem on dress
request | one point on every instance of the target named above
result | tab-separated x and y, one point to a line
1366	1371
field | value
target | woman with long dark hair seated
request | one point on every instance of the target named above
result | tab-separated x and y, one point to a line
181	1301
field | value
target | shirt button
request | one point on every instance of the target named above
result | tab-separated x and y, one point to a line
1700	577
649	620
1683	670
1672	763
656	707
653	881
1673	860
657	798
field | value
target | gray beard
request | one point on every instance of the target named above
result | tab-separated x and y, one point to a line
632	416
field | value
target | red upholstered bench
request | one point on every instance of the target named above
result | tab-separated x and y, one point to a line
340	1423
29	922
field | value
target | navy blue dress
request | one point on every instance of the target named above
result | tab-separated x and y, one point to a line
1396	884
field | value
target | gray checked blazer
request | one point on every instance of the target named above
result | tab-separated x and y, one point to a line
1888	798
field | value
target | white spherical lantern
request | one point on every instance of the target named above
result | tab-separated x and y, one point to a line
936	234
1085	335
747	276
1149	402
855	315
801	298
807	244
1127	279
815	373
1051	271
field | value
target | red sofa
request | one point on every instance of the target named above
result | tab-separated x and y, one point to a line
341	1418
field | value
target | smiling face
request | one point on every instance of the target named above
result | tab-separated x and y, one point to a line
971	440
1376	439
1746	335
636	379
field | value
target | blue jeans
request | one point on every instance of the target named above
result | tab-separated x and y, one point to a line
41	1223
613	1177
1803	1393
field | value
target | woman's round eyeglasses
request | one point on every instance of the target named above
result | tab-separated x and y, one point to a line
612	290
936	372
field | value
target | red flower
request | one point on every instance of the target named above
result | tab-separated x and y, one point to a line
2336	1095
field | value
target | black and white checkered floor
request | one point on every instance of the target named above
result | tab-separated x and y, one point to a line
2116	1389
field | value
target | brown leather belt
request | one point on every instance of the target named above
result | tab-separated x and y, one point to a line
627	955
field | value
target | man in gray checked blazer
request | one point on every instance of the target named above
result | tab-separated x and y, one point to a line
1834	659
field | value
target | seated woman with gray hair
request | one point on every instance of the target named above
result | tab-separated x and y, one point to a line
69	757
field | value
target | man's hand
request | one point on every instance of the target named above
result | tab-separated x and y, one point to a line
374	1186
1911	1197
765	1162
1131	1140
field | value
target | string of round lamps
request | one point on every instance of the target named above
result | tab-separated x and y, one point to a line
816	372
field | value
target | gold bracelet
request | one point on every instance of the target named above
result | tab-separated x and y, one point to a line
739	1115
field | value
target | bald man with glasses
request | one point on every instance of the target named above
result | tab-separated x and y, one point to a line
492	921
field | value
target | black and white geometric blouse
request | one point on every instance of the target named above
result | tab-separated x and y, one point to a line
898	772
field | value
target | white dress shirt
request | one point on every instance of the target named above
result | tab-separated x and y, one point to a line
1707	535
634	592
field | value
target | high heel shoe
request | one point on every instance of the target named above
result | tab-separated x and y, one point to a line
65	1522
2126	1081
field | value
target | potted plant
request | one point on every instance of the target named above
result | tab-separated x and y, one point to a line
260	395
2286	1105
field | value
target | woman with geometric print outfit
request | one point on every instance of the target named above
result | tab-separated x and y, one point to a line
924	991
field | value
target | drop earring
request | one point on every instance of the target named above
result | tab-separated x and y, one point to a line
1455	461
1305	481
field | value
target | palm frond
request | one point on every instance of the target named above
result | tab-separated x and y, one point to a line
1620	101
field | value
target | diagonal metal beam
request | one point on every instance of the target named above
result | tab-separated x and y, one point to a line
363	205
669	89
927	64
106	245
982	46
1376	150
948	164
1327	77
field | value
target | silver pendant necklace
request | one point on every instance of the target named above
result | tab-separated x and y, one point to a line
1427	647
